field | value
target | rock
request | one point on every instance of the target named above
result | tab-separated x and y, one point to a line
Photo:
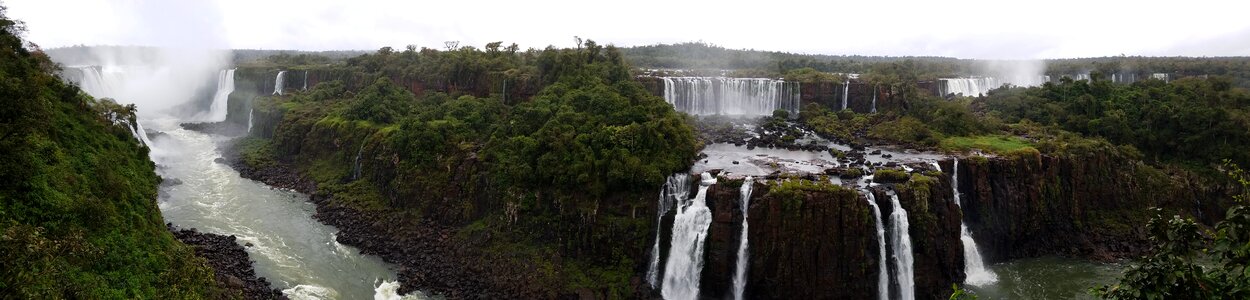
231	266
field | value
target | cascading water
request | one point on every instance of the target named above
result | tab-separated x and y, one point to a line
278	83
250	114
875	91
685	260
287	246
305	80
973	265
846	92
977	86
91	79
731	96
356	162
903	261
740	274
676	188
883	275
225	86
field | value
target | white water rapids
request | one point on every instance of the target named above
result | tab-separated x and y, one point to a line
740	273
901	240
684	266
292	250
973	265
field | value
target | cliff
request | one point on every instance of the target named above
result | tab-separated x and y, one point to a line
804	243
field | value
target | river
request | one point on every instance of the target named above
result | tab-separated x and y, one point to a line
295	252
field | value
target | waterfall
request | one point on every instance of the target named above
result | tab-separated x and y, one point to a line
278	83
685	258
1160	76
977	86
883	275
846	91
973	265
356	163
740	275
98	83
91	79
903	261
730	96
250	114
305	80
225	86
875	91
677	188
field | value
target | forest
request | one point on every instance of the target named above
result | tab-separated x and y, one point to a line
78	213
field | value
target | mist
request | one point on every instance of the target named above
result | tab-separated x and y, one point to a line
1016	72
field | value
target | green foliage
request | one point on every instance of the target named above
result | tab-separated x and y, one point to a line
809	75
960	294
793	192
989	143
381	102
890	175
1188	263
565	167
78	216
1188	120
907	130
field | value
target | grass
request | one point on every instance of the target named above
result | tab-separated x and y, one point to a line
991	143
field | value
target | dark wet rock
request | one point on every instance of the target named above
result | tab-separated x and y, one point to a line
168	182
220	160
219	128
231	266
875	152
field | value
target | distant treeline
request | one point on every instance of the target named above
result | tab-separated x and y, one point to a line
706	56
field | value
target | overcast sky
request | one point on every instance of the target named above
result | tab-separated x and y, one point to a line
965	29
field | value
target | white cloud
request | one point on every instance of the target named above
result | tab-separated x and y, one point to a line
967	29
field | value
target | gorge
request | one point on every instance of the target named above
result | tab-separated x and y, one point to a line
601	172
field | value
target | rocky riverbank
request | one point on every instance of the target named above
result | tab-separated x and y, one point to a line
429	257
231	266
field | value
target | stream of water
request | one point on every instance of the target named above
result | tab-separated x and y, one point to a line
295	252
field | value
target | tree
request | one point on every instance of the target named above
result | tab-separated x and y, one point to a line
1188	265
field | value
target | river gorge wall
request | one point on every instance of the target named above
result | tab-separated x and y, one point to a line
805	243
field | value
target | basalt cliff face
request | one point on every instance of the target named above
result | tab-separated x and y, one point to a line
806	245
1092	206
822	245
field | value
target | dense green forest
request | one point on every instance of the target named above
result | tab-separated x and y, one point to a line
703	56
1192	121
555	178
78	214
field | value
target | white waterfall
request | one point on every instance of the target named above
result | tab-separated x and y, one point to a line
677	188
730	96
977	86
225	86
1160	76
903	261
740	274
973	265
356	163
305	80
874	98
846	91
883	275
278	83
250	114
685	259
91	79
